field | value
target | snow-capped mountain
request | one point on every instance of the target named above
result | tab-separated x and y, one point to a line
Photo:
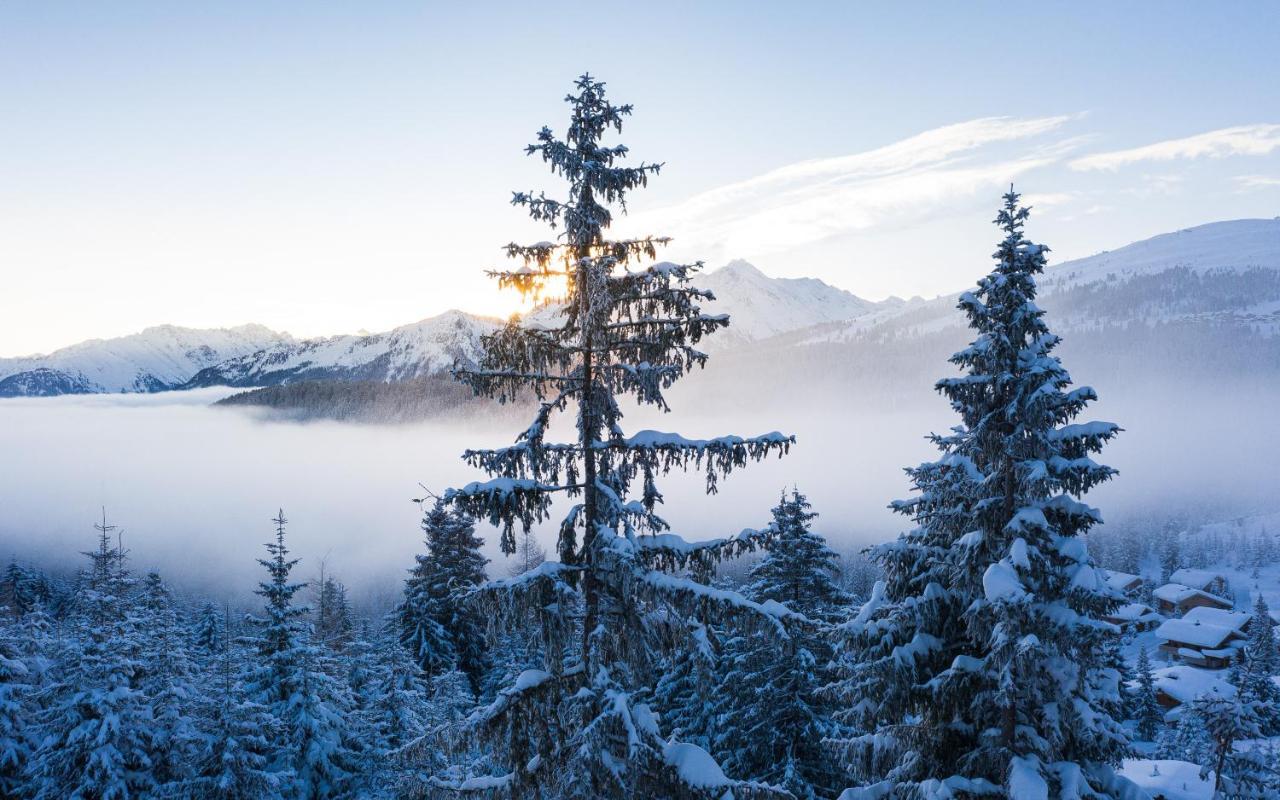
760	306
410	351
1224	273
1200	289
156	359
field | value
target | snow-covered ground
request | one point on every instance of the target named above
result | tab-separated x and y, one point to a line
1174	780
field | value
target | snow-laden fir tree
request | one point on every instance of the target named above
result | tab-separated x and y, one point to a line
1238	774
1146	710
15	734
168	679
97	736
1187	739
208	635
236	760
981	666
334	622
582	725
772	717
22	589
436	625
1260	662
272	677
286	677
686	684
398	696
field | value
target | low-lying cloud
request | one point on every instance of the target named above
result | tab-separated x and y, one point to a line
194	487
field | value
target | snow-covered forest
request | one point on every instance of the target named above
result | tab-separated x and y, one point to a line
1006	644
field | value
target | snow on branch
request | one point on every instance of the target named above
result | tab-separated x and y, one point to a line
677	588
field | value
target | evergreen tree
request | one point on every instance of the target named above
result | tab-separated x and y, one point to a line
168	679
274	680
98	739
1146	708
1171	555
582	725
773	719
436	626
1253	671
334	623
684	694
236	761
1188	740
208	636
15	738
398	697
22	589
314	721
1236	774
991	608
288	680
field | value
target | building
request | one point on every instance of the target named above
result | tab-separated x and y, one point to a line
1124	582
1178	598
1206	637
1214	583
1181	684
1134	617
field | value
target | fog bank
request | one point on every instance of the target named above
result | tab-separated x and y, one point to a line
194	487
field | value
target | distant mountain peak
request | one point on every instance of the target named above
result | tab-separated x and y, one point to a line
740	267
761	306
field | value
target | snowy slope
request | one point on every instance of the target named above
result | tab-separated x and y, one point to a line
156	359
410	351
1222	272
760	306
1234	245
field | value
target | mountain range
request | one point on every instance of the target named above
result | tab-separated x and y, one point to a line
1209	288
167	357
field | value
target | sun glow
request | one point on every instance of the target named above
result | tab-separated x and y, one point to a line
510	301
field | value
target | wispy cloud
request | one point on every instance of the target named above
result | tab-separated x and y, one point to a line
1242	140
813	200
1246	182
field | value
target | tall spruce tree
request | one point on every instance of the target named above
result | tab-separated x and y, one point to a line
98	738
209	635
15	734
287	678
168	679
436	626
1147	709
334	623
582	726
1258	664
236	760
981	663
773	717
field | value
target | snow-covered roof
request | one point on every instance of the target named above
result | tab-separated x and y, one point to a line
1196	578
1185	683
1177	593
1199	634
1121	580
1132	612
1236	620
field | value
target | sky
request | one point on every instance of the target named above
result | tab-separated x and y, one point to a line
323	167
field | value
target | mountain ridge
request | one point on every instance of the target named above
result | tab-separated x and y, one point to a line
1219	274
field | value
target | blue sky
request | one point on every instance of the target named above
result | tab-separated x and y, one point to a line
324	167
